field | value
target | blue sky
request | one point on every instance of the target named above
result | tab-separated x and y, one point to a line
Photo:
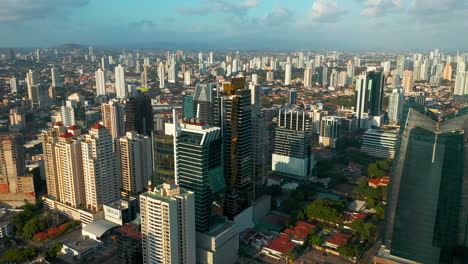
256	24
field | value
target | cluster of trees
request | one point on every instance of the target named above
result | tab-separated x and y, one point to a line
267	102
326	210
18	254
27	223
51	254
379	168
349	250
364	230
298	199
346	101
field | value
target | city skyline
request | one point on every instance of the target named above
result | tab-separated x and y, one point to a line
248	24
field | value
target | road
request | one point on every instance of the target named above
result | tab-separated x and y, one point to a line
368	257
316	256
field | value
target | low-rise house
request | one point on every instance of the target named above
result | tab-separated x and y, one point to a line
279	247
300	232
379	182
338	239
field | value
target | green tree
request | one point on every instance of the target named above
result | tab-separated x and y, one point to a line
362	229
317	240
349	251
374	171
32	227
326	210
18	254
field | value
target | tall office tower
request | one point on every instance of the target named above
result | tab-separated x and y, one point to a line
32	79
293	141
56	80
200	57
408	81
400	66
357	61
40	96
113	118
13	85
425	70
163	157
100	82
426	219
90	51
287	74
235	66
135	162
199	166
461	83
417	71
138	67
461	66
269	76
308	76
120	87
324	76
12	163
350	72
168	225
386	65
162	75
300	63
255	78
38	55
380	143
201	104
395	105
187	78
369	99
144	78
237	141
73	113
139	115
211	61
100	167
342	79
111	60
334	79
292	98
448	72
260	151
330	130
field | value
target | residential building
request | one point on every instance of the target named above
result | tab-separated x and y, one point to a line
408	81
168	225
395	105
135	162
129	246
113	118
56	80
139	115
120	86
330	130
100	82
287	74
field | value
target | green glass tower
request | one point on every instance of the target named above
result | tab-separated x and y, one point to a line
427	214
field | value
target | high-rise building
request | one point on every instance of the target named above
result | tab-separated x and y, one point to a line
369	98
324	76
380	143
105	63
350	71
287	74
144	78
113	118
395	105
163	157
293	141
334	80
386	65
308	77
13	85
100	82
168	225
13	176
120	87
269	76
255	78
461	83
17	118
139	115
426	212
40	96
237	141
187	78
32	79
199	166
135	162
408	80
211	58
56	80
330	130
162	75
100	167
129	244
448	72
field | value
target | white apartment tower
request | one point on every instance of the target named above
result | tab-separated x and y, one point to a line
100	82
168	225
287	74
135	162
100	167
120	87
56	82
113	118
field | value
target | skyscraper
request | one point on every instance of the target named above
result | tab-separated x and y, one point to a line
427	208
100	167
168	225
162	75
408	80
139	115
32	79
144	77
395	105
135	162
13	85
187	78
330	130
56	80
461	83
100	82
113	118
369	99
199	166
287	74
308	76
237	142
350	71
120	87
293	140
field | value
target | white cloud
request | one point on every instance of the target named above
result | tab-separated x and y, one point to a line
220	6
16	10
379	7
280	15
327	10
